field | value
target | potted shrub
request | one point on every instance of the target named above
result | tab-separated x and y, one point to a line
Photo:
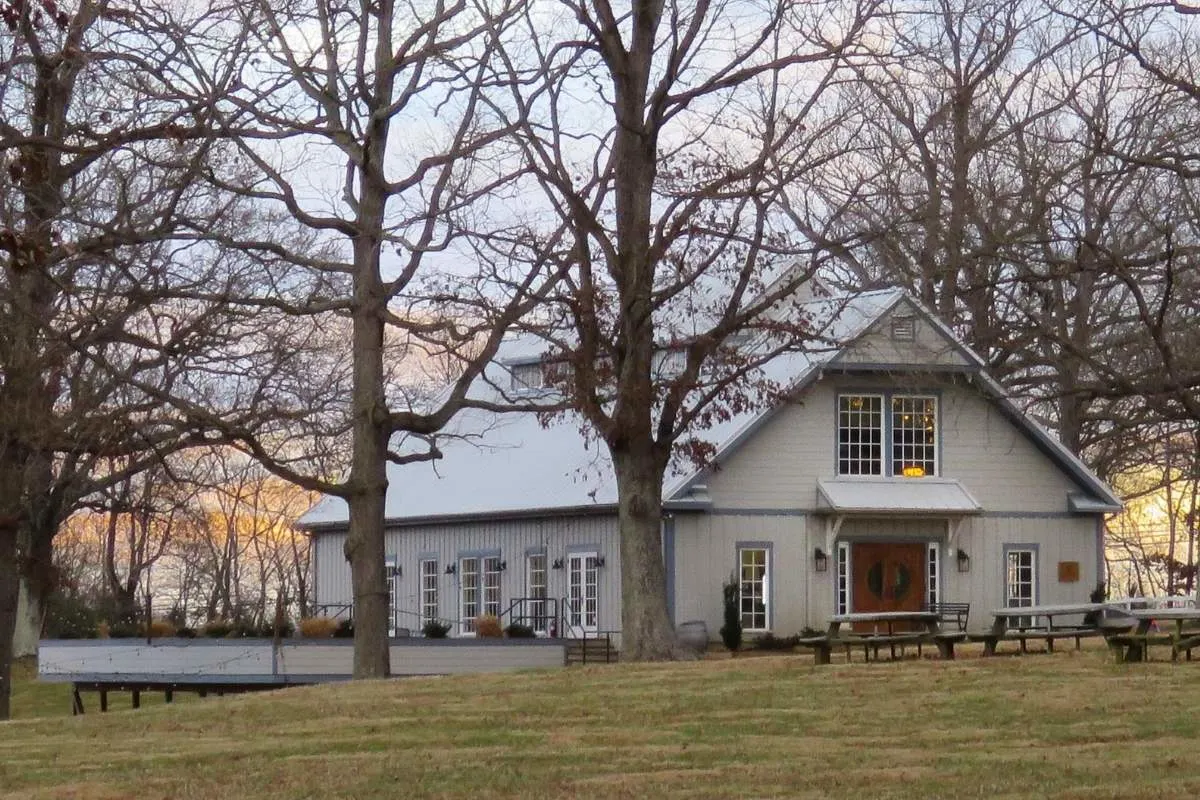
731	631
433	629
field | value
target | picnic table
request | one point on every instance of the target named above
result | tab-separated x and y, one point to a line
1021	624
1131	645
889	628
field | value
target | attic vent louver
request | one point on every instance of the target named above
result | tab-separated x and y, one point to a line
904	329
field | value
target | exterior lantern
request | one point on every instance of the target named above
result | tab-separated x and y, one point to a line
964	561
820	560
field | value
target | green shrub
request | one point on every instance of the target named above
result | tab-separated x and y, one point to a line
124	630
344	630
731	631
69	617
433	629
185	632
769	641
518	631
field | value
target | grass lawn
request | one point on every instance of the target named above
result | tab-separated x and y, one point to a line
1068	725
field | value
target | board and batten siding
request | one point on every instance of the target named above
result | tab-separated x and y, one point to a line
778	468
706	552
509	539
928	345
706	556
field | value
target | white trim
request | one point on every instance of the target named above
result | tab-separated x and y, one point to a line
765	589
466	619
933	572
1009	578
537	606
423	591
891	433
856	416
843	600
581	564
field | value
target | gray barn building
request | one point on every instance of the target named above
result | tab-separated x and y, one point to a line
899	474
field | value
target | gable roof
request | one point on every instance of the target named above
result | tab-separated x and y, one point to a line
514	465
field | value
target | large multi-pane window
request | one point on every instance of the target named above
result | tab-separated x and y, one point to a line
468	575
902	442
491	586
535	590
1021	574
914	436
753	594
429	590
860	434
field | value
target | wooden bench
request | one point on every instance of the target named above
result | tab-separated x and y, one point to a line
957	613
991	639
822	646
1130	647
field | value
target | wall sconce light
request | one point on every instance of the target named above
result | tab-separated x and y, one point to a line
599	561
964	561
558	564
503	566
820	560
451	569
394	571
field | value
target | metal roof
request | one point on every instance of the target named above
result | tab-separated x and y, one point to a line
498	464
914	496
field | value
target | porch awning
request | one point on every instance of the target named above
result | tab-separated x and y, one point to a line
908	496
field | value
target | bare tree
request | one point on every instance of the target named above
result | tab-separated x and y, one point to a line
103	131
664	140
388	99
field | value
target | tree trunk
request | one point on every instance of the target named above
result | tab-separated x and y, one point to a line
28	622
368	467
9	582
646	630
38	579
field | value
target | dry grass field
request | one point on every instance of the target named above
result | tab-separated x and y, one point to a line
1072	725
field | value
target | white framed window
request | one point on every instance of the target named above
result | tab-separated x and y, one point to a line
391	576
1020	589
669	363
491	586
535	590
583	593
843	577
904	442
527	377
429	590
754	588
914	436
860	434
468	576
933	591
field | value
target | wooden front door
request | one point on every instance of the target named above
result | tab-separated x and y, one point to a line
888	576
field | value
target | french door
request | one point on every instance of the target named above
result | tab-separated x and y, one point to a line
583	594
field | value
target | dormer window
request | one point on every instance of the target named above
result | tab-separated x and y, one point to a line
901	442
527	377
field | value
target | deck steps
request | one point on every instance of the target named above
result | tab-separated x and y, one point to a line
591	651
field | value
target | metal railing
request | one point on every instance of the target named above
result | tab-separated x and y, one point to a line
538	613
581	634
